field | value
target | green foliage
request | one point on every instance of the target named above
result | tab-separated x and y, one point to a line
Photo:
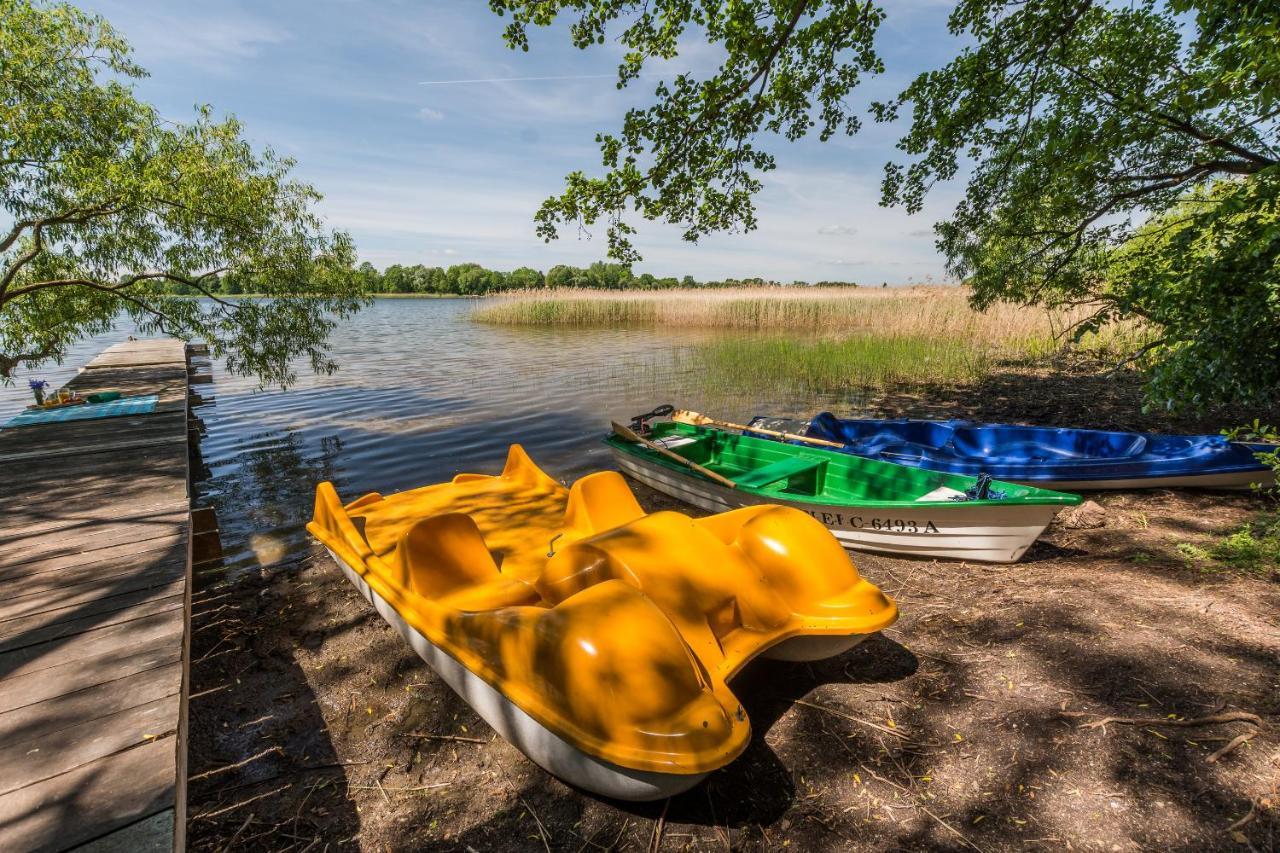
1078	121
474	280
1260	433
1206	274
113	209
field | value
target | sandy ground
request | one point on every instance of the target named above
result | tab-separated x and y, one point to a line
972	724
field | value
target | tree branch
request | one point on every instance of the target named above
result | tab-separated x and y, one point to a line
714	111
22	260
9	362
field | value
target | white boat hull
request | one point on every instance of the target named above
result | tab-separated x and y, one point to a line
546	749
1234	481
985	533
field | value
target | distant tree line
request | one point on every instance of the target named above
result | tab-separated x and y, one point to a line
475	280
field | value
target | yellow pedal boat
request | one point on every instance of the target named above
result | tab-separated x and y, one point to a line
595	638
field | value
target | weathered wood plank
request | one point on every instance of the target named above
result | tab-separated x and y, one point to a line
89	537
120	637
106	447
89	573
91	800
34	634
149	835
85	672
36	436
43	501
38	443
19	725
37	483
91	516
159	548
89	599
51	751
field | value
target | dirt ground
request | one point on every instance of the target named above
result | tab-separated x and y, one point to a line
1023	707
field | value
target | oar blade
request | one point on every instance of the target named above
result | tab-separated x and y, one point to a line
625	433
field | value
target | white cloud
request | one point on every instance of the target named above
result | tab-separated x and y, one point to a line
837	230
429	114
213	42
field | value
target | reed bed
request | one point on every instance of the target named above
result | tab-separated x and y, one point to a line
824	340
900	312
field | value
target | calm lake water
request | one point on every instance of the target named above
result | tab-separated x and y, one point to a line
422	394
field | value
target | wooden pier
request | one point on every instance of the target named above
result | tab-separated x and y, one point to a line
95	550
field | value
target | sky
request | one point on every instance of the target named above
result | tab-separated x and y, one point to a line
434	143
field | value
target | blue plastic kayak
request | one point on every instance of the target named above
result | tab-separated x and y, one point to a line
1049	457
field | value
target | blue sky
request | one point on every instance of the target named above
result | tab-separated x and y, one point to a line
423	170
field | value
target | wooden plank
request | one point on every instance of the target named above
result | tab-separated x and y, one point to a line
30	635
161	548
184	710
103	471
150	488
54	751
36	436
83	600
120	637
91	573
92	703
149	835
86	672
134	378
88	516
89	537
90	800
112	447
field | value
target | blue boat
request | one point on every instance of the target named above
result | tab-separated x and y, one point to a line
1048	457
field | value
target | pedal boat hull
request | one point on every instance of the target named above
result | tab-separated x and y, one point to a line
602	651
541	745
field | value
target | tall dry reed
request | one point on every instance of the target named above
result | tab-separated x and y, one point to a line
914	312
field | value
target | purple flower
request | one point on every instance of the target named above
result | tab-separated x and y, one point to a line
37	384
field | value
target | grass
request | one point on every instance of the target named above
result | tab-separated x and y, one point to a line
833	366
823	340
1254	548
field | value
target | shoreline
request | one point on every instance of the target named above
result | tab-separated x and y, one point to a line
987	680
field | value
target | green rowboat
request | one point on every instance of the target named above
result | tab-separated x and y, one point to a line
869	505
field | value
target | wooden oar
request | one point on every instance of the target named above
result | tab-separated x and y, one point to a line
629	435
694	419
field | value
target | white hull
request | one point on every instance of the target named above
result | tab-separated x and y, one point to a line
985	533
814	647
1236	480
546	749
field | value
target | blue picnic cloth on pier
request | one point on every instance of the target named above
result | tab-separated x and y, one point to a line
140	405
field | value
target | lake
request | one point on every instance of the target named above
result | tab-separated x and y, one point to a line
422	394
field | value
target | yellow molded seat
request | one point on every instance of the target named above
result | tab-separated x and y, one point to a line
443	558
599	502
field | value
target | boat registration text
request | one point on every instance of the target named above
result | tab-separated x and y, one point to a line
888	525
